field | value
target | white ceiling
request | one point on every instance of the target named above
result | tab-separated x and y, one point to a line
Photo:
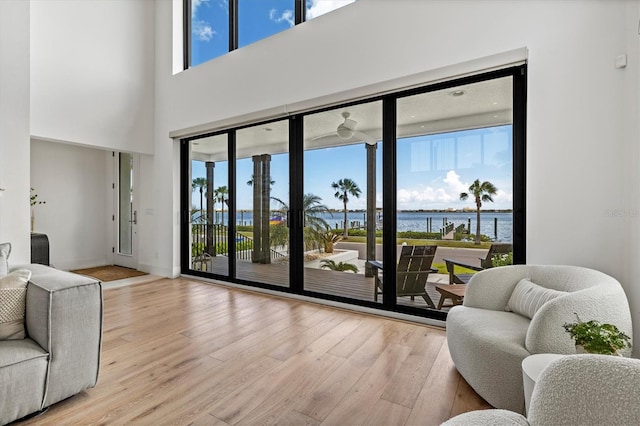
483	104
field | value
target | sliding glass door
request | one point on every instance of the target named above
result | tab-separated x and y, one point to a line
343	201
208	213
446	141
262	203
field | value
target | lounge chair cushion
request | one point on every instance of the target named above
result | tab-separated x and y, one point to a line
5	250
13	294
528	297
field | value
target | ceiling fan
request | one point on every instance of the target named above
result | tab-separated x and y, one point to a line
347	130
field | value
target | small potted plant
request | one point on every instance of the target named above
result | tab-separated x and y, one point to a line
596	338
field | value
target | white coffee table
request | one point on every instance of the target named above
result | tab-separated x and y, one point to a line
532	366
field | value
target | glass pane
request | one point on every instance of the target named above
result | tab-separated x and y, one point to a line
209	217
125	204
316	8
260	19
262	189
209	30
343	201
446	141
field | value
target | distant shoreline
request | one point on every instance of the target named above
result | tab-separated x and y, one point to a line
432	211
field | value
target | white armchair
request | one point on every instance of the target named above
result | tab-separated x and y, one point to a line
575	390
488	343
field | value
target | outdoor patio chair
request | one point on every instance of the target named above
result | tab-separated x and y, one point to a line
485	263
412	271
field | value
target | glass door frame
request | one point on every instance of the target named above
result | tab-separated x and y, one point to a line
389	190
129	260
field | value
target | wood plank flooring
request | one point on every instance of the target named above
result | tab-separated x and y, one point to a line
181	352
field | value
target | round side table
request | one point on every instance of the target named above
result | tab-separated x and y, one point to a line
532	366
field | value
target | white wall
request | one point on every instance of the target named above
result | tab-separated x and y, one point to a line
92	72
582	127
14	128
75	183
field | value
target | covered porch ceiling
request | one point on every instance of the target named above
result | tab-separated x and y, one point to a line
476	105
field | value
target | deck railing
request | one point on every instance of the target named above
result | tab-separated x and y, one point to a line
212	240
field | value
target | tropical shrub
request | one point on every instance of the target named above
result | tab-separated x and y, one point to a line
340	266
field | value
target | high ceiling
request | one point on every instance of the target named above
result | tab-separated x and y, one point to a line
476	105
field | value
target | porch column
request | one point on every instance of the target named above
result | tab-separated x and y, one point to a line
210	246
369	271
261	208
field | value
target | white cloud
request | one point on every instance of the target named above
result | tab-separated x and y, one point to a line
286	16
202	30
414	198
444	193
453	181
503	197
320	7
195	4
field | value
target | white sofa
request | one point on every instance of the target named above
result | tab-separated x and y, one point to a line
586	390
488	343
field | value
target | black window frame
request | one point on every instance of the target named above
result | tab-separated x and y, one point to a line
300	7
296	168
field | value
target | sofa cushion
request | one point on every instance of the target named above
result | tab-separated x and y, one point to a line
528	297
13	293
5	250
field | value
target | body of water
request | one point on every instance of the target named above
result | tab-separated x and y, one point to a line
498	226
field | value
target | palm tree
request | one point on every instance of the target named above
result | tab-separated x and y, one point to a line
314	224
481	192
313	209
250	181
221	196
344	188
199	184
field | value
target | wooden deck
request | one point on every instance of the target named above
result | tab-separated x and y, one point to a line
345	284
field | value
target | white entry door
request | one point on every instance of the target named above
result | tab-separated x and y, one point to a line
125	218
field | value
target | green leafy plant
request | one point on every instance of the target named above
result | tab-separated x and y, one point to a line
34	198
340	266
597	338
502	259
329	239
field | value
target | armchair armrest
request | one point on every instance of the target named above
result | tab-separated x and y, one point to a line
546	334
375	264
64	316
451	263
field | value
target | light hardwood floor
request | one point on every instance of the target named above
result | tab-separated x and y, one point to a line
185	352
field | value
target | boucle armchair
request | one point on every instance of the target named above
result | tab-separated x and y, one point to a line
488	343
575	390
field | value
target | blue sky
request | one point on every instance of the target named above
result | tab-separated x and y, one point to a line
257	19
432	171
